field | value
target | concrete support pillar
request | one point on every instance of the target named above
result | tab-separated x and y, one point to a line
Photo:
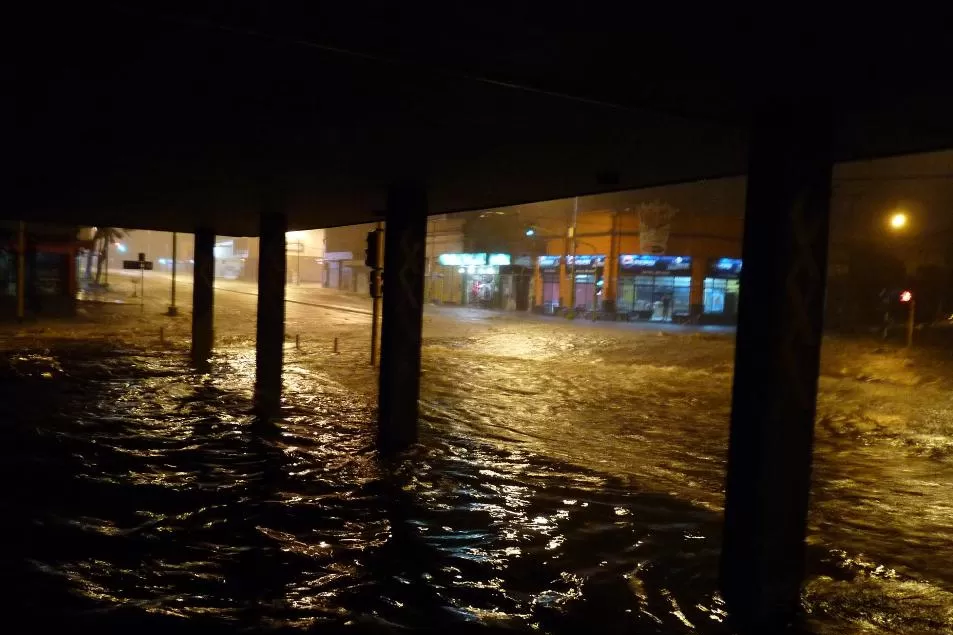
537	284
203	314
776	366
21	270
565	285
700	268
405	235
610	278
270	339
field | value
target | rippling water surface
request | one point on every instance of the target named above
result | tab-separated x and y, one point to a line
559	485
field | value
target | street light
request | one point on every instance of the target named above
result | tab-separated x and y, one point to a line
898	220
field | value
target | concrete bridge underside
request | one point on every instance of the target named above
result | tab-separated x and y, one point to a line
251	123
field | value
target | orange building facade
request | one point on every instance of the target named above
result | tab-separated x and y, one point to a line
685	270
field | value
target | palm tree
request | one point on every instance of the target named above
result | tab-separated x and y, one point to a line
103	237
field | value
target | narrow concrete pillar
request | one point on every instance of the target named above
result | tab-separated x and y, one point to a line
610	276
269	345
776	365
405	235
203	314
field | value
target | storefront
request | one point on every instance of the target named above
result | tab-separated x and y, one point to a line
586	273
50	269
721	290
549	299
478	275
515	282
656	288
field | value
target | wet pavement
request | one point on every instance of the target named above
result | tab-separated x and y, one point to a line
569	478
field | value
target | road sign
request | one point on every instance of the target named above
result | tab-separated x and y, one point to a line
137	264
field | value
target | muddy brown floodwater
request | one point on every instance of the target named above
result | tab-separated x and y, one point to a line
569	479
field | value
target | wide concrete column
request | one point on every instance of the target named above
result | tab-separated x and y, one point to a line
776	365
203	314
269	345
405	236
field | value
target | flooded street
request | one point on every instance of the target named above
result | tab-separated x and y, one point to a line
568	475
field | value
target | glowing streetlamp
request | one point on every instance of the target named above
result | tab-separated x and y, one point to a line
898	220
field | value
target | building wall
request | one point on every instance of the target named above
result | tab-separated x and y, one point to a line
50	281
703	237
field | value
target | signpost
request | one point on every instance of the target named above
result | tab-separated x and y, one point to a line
142	265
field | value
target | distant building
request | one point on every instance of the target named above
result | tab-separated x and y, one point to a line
648	261
652	263
344	258
49	273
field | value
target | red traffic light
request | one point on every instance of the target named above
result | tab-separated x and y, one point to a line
906	296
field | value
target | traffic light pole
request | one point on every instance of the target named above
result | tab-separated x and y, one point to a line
374	258
910	319
375	324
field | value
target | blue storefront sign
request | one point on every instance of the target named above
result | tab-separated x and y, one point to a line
644	263
586	261
725	267
548	262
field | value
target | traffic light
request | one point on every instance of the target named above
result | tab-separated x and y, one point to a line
906	296
374	254
377	283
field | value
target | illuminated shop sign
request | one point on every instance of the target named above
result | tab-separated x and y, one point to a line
461	260
644	262
467	260
586	260
726	267
548	262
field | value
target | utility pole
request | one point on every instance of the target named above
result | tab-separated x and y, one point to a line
175	257
911	316
572	266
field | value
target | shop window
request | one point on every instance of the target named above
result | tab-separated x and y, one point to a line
681	295
721	295
550	288
51	273
585	290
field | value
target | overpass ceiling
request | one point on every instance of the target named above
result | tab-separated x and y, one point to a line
173	114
